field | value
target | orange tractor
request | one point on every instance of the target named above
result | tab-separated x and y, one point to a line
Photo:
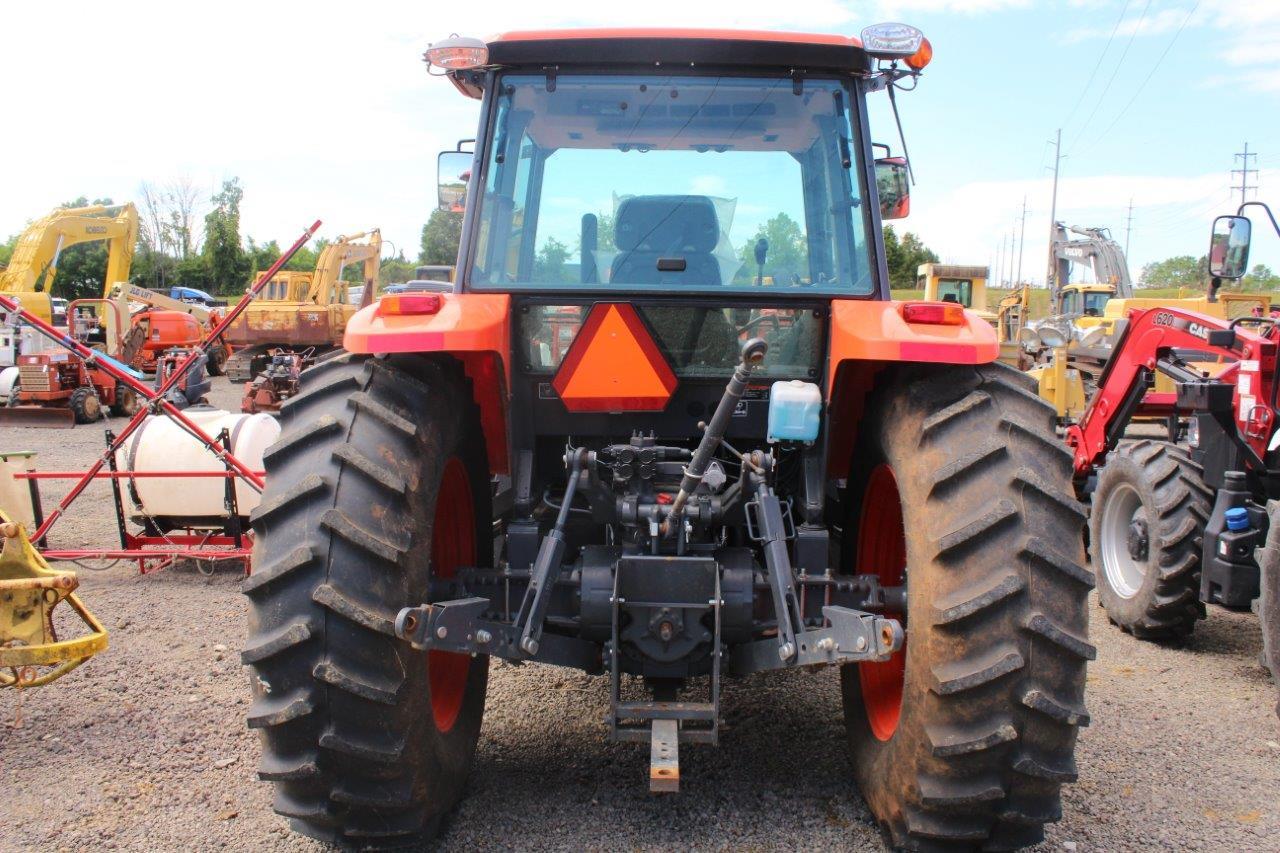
669	428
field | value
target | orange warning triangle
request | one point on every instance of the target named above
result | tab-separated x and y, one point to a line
613	365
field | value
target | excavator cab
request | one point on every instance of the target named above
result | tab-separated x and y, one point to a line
1086	300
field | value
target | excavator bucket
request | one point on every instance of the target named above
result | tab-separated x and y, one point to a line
31	654
47	417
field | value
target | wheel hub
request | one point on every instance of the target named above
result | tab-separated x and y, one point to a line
1139	543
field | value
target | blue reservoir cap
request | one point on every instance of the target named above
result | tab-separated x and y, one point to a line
1237	518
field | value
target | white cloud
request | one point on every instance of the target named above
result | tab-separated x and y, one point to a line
1172	215
1242	33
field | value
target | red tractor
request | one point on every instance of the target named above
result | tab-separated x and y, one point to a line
669	428
1189	520
57	388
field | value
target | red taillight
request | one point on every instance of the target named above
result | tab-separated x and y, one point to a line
934	313
397	304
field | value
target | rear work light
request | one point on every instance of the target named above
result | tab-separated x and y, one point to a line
401	304
934	313
457	53
892	41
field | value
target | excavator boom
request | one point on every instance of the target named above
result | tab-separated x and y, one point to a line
326	284
35	258
1093	248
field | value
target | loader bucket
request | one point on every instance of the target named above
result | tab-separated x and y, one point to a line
31	654
37	416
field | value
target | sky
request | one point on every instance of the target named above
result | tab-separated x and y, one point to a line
324	110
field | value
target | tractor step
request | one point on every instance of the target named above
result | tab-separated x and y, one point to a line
47	417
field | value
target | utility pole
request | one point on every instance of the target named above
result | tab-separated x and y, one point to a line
1022	244
995	269
1244	172
1128	226
1051	278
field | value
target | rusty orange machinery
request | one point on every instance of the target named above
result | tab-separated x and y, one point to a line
864	336
298	310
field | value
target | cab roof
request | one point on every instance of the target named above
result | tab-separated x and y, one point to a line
646	46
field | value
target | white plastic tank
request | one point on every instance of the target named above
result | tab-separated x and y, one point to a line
795	409
160	444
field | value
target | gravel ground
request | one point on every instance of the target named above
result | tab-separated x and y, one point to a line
146	747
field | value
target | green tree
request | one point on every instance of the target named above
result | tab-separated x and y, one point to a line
1260	278
1182	271
394	270
787	257
227	262
6	249
440	238
549	265
904	257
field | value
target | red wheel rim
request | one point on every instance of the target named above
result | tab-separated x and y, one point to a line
882	545
453	544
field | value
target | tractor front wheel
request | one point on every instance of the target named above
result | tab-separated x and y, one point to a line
962	493
85	405
1145	533
377	484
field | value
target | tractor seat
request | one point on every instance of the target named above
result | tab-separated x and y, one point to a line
677	229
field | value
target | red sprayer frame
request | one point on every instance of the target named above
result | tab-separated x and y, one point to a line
133	546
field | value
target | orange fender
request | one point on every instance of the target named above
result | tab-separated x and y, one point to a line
865	337
475	328
876	331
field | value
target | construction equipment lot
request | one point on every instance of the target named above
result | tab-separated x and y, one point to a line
148	748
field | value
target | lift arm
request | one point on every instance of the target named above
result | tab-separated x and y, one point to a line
1149	343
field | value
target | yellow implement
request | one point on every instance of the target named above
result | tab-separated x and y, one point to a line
31	654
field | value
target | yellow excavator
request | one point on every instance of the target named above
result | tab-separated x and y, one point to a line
30	273
303	311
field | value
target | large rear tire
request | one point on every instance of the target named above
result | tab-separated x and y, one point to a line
1267	605
378	482
1145	534
962	491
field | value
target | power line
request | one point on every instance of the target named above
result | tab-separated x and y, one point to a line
1098	64
1244	171
1114	72
1147	79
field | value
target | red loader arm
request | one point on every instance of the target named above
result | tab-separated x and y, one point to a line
1149	343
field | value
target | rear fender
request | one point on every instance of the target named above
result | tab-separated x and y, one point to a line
867	336
473	328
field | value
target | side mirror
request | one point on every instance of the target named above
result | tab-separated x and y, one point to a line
892	187
454	170
1229	246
